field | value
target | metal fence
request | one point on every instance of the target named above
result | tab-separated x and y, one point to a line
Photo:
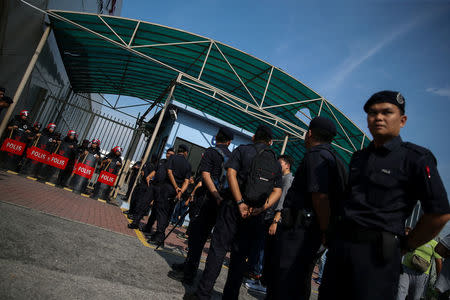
74	113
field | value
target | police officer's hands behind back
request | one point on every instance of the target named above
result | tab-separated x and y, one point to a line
244	209
273	228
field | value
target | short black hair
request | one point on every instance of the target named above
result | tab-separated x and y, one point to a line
322	135
182	148
287	159
221	138
170	150
263	134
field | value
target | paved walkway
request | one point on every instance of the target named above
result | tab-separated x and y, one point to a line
65	204
62	203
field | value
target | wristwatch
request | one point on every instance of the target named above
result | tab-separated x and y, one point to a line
240	201
277	221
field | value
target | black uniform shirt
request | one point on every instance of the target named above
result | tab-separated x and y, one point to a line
212	161
180	167
22	125
314	175
148	168
385	184
241	160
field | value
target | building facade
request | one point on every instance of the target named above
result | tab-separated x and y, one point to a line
48	89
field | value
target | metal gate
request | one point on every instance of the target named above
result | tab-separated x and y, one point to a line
91	123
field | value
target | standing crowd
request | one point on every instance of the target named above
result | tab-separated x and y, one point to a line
276	225
48	156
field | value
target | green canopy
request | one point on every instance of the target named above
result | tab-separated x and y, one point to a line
113	55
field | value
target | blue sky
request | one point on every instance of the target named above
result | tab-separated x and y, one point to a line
345	51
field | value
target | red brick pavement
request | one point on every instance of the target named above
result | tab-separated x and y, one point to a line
62	203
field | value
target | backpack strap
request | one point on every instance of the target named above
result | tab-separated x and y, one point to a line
220	151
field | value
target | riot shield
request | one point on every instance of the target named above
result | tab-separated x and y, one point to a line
57	162
37	155
82	172
13	148
106	179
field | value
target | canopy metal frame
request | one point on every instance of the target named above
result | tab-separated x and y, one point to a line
246	102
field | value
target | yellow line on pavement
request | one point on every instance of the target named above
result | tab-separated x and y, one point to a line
144	242
139	234
101	200
85	195
12	172
32	178
67	189
49	183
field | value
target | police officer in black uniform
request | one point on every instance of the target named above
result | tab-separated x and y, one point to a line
72	141
237	220
386	180
20	125
144	193
158	178
211	169
176	183
306	212
141	186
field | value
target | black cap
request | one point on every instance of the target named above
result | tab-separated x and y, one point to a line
2	89
227	132
7	99
266	129
323	123
183	148
386	96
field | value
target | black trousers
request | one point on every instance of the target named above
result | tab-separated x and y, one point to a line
230	233
137	194
296	253
270	259
221	242
355	271
199	229
250	232
143	204
165	207
152	219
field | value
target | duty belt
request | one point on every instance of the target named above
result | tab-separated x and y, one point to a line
353	232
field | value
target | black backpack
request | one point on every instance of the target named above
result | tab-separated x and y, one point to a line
161	172
221	183
261	177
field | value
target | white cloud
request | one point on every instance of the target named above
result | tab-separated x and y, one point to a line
355	60
444	92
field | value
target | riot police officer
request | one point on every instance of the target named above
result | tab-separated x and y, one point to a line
306	212
176	183
71	142
240	215
213	181
20	124
386	180
19	129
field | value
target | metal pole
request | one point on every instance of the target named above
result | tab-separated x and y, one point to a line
286	138
25	78
152	140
